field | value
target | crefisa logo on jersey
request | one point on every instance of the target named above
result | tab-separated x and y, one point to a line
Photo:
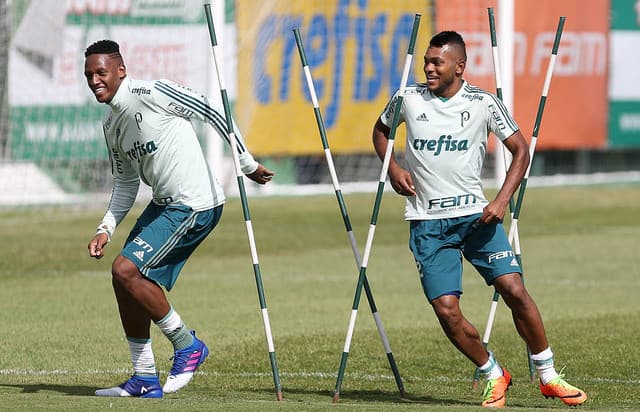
140	91
141	149
444	143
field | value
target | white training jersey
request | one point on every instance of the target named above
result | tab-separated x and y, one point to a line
150	137
446	146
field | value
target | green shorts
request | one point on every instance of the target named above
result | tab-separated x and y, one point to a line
438	247
164	237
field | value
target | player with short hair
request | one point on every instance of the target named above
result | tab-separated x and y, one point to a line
448	122
149	136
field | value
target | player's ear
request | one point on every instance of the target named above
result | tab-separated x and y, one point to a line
460	66
122	71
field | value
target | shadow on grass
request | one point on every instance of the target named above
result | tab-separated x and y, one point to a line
376	396
75	390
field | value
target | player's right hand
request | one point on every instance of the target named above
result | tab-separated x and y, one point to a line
96	245
401	181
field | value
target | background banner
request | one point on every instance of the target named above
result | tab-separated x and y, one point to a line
575	113
624	79
53	113
356	51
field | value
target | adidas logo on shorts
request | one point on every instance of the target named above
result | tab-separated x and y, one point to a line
139	254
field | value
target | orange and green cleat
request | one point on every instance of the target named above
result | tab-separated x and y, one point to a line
559	388
495	393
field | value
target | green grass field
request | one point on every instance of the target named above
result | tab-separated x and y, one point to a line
61	337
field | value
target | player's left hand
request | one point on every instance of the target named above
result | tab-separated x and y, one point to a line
261	175
493	213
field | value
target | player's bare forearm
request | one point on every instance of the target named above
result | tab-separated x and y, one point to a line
519	149
517	145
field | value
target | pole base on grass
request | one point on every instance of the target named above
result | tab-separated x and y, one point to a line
279	396
474	385
336	397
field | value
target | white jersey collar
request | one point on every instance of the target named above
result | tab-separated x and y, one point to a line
119	99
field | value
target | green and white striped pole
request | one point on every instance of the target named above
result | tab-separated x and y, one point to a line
343	210
513	236
374	216
245	204
536	127
516	245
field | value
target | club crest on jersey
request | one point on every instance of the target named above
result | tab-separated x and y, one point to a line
444	143
464	116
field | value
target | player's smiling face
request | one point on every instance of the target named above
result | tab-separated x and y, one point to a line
443	67
104	73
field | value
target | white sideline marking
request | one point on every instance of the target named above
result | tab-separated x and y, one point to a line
368	377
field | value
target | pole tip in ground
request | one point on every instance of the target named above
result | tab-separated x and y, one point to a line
279	396
474	385
403	394
336	397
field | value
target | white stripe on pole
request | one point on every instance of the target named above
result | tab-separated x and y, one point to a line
352	326
267	330
506	36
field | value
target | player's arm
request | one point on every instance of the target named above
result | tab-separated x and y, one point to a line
502	124
123	195
399	177
184	102
517	146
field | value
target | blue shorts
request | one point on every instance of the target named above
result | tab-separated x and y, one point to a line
439	245
164	237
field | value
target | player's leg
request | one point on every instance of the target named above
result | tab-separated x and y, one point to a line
529	324
161	250
136	321
435	245
524	311
489	251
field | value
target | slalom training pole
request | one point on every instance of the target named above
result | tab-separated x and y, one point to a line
343	210
374	215
496	296
513	230
536	127
245	204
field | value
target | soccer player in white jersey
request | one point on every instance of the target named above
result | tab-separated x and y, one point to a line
150	138
447	124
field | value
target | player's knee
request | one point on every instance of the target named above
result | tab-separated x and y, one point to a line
514	293
123	271
447	309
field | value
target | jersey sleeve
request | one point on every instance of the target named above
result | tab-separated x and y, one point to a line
123	194
500	121
387	114
184	102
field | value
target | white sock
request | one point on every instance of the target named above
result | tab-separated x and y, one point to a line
142	356
543	362
491	369
174	329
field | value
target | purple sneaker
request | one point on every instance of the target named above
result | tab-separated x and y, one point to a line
185	363
136	386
